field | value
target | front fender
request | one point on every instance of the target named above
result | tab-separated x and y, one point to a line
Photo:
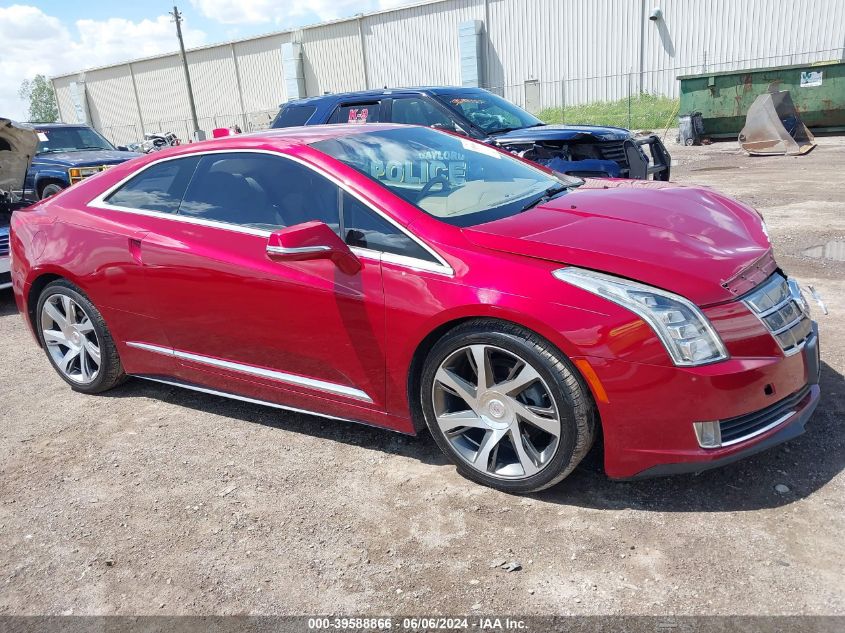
41	175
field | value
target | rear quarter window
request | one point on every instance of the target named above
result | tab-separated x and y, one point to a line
292	116
159	187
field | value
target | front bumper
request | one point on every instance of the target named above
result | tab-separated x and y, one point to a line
788	430
649	411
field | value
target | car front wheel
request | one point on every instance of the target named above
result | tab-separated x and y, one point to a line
506	406
76	339
50	190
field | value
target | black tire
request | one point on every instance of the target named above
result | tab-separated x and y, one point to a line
571	397
50	189
110	372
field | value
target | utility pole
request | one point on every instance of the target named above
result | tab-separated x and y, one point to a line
177	17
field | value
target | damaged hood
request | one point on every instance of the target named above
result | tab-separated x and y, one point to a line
687	240
17	147
563	133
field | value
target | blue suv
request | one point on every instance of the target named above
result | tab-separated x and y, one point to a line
577	150
66	154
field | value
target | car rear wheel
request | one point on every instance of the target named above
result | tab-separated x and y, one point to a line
506	406
76	339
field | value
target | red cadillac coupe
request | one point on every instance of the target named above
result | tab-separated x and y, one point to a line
408	278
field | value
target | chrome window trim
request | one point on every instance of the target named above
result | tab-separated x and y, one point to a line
99	202
366	253
280	376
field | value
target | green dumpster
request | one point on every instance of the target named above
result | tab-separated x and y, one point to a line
818	91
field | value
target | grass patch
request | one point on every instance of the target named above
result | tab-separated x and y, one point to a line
648	112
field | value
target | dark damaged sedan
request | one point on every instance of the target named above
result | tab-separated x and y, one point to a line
577	150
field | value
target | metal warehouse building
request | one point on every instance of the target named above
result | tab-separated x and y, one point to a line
537	53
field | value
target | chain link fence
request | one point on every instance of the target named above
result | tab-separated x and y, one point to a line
646	100
184	128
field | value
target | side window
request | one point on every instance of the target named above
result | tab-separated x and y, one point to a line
157	188
292	116
364	228
260	191
418	111
357	113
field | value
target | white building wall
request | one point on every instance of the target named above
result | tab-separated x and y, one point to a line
576	51
262	77
332	58
417	45
162	93
61	85
717	35
555	43
111	103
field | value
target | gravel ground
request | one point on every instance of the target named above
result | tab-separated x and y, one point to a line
155	500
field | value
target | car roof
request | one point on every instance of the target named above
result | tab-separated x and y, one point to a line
383	92
279	138
48	126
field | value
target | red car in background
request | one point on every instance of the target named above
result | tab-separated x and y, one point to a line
404	277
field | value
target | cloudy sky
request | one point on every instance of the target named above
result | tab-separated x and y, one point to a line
56	36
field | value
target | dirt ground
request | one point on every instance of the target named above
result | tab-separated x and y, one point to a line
155	500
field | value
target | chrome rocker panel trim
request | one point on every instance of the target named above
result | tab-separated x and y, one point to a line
290	379
232	396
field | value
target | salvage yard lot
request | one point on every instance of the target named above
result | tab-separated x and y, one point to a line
151	499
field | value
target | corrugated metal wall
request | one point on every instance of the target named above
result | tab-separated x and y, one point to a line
332	58
573	51
417	45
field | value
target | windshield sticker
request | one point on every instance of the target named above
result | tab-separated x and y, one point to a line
358	115
462	100
42	137
428	165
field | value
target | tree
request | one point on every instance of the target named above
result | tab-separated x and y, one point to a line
42	100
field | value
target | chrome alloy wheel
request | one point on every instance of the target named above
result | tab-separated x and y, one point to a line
496	411
70	339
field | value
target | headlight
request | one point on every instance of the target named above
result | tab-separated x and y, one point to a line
685	332
82	172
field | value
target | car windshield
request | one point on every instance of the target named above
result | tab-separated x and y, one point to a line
70	139
454	179
490	112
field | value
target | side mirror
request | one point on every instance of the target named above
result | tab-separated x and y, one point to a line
311	240
122	148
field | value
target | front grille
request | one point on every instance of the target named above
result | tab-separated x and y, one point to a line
613	150
4	242
744	427
779	305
